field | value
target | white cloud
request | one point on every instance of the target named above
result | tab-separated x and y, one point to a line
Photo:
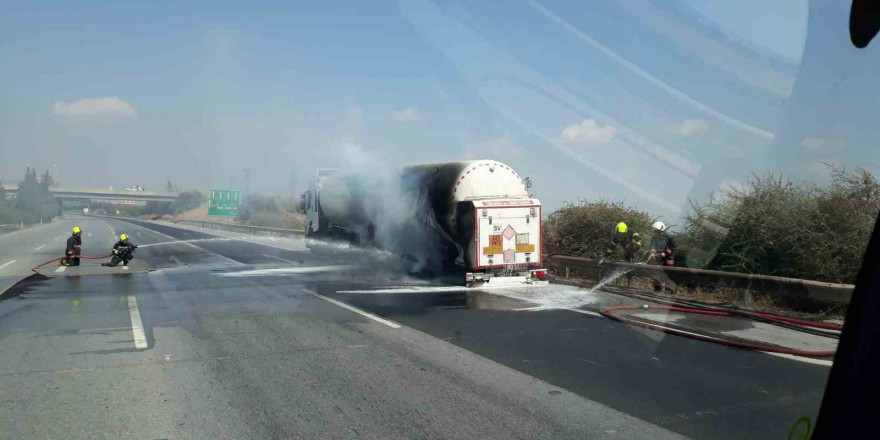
95	108
690	127
356	112
495	148
820	146
406	115
589	131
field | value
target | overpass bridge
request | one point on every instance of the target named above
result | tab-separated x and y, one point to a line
104	195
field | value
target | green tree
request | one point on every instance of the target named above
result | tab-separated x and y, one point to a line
34	198
46	180
187	200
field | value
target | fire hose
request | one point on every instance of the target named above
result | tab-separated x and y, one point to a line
81	257
36	271
610	313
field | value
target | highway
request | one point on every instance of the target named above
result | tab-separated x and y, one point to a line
208	336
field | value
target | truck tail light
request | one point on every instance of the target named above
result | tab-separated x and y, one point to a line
539	273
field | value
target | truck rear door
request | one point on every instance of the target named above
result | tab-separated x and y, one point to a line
508	233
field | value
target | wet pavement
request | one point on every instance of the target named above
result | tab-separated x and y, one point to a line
265	308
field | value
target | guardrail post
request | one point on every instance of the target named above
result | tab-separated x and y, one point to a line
745	298
566	272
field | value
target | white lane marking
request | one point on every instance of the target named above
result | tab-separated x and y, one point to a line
808	360
89	234
176	260
391	324
587	312
277	258
6	264
58	237
39	247
61	269
238	263
285	270
137	326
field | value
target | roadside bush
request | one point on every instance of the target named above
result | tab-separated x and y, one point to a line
777	226
253	203
284	220
585	228
185	201
9	215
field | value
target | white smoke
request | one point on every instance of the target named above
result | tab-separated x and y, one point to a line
399	210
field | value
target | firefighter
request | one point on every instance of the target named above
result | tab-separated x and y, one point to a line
624	243
662	251
623	240
122	251
74	248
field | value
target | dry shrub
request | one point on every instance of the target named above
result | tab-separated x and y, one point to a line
777	226
584	229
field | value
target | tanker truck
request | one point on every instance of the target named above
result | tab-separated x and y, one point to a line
472	217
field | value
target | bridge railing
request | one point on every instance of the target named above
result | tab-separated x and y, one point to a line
565	266
245	229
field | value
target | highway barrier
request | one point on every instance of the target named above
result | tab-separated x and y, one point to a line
10	228
677	277
245	229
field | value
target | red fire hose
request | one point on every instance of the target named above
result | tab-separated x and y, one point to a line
609	312
82	257
36	271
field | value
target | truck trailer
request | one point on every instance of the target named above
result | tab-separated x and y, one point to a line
474	217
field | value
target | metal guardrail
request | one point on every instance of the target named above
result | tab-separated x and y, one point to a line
682	276
9	228
254	230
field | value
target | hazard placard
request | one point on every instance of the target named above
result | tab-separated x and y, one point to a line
492	250
496	240
525	248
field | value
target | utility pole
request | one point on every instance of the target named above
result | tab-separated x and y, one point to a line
247	180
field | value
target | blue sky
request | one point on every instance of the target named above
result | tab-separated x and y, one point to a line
643	101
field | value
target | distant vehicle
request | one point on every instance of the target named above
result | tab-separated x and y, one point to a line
472	216
85	210
134	188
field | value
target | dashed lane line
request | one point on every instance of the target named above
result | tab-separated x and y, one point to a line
6	264
137	326
61	269
39	247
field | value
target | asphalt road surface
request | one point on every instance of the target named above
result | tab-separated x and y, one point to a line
216	337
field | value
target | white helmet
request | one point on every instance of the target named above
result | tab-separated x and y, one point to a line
659	226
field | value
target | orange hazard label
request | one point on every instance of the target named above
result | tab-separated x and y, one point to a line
496	241
492	250
525	248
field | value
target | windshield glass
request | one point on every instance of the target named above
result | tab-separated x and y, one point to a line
429	218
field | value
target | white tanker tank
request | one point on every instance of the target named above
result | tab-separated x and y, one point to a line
475	216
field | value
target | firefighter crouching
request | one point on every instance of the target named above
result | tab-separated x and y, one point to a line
74	249
662	252
122	252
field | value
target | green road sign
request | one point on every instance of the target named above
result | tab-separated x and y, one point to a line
223	202
70	203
